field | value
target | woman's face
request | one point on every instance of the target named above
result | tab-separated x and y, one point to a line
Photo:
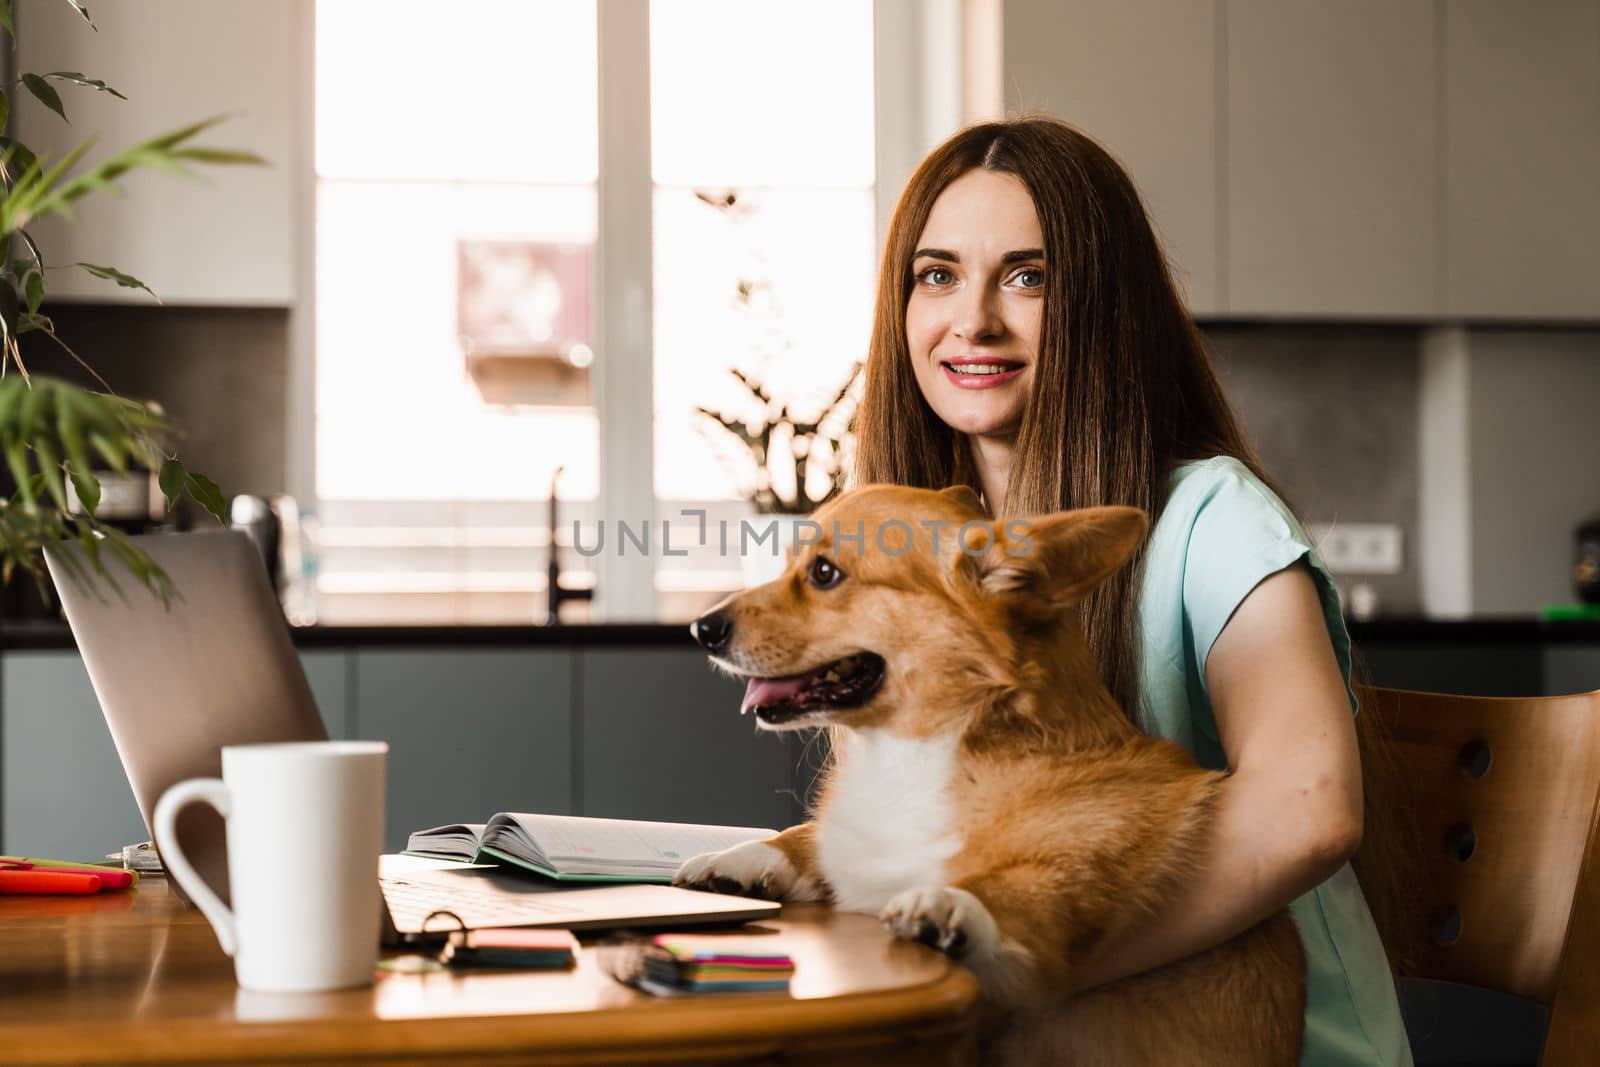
977	298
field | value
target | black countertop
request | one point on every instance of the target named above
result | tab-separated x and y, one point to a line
48	635
1489	630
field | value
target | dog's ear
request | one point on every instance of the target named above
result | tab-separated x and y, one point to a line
966	496
1057	560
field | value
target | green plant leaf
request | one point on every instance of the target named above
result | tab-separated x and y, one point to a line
205	491
78	6
29	412
5	108
33	188
17	461
113	453
19	157
69	427
50	467
10	399
226	156
29	321
6	18
171	480
156	152
138	561
80	79
127	281
34	287
46	94
87	537
86	485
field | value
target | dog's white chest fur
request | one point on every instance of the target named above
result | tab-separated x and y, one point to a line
887	824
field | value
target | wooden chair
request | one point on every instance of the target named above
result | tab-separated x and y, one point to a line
1481	857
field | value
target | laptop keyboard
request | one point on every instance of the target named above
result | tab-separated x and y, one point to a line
476	905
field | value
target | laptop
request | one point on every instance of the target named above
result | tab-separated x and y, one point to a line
216	667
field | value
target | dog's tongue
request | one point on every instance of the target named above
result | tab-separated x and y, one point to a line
767	691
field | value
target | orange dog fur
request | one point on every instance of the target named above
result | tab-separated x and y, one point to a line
985	794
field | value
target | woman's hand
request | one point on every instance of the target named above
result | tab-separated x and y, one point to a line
1290	815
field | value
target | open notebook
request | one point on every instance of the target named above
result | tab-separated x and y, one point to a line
573	848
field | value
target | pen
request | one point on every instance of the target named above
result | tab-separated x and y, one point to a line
110	878
36	881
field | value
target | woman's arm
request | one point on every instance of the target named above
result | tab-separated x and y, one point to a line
1290	814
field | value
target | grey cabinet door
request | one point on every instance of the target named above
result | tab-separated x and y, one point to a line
471	732
1140	77
327	672
663	739
1571	669
1330	151
63	793
1522	149
1512	669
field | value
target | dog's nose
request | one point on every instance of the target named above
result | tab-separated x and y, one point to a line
713	631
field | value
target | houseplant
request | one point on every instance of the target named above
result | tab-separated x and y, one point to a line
775	436
790	464
54	433
808	455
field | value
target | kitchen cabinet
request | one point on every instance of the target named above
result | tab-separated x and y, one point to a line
63	793
642	731
1521	155
1571	669
470	732
327	672
663	739
1140	78
1366	159
1512	669
225	239
1330	149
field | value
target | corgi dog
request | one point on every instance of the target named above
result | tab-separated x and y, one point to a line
985	794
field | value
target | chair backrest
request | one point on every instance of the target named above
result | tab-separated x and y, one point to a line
1485	809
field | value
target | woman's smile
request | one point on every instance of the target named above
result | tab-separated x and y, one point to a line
980	372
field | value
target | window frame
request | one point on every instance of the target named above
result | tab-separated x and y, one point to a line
917	102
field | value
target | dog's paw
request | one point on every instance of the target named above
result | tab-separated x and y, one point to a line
753	869
946	918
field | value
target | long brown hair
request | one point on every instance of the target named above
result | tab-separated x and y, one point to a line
1123	390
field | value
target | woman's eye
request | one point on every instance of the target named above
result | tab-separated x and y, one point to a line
1029	278
823	574
936	276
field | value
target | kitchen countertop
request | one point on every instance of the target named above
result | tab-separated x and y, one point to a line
45	634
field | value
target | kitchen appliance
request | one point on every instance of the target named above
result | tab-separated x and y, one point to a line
273	524
130	500
1586	561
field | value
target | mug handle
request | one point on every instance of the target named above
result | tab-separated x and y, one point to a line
213	791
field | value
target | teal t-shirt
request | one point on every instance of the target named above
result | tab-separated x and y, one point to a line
1221	533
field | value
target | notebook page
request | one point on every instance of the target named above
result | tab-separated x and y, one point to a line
666	844
455	838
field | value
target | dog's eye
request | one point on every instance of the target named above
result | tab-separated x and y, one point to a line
823	573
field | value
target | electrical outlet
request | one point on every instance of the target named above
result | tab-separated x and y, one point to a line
1358	547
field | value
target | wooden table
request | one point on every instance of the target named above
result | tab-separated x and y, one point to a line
138	978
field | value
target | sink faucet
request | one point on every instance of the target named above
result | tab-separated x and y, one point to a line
555	594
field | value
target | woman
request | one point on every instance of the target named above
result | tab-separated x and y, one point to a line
1029	342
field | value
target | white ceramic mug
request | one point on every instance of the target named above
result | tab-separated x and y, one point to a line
305	828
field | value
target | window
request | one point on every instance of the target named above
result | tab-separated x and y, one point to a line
763	240
457	154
